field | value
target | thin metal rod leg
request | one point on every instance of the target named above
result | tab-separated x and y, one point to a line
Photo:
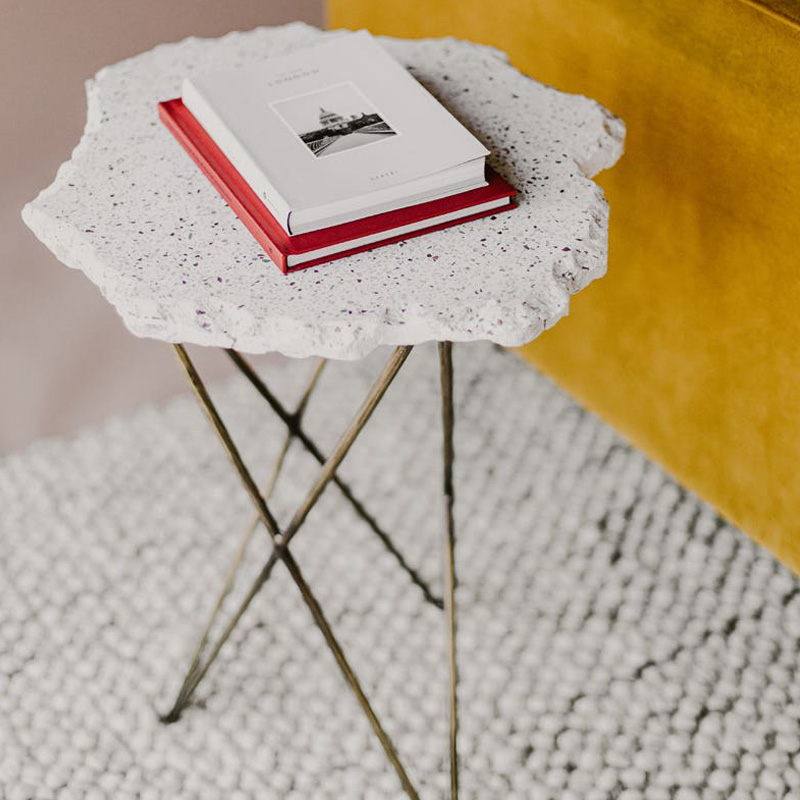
347	439
446	368
282	541
294	426
349	675
194	677
326	473
247	537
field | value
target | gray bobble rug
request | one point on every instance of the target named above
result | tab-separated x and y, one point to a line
617	640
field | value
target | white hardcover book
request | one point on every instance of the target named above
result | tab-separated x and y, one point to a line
335	132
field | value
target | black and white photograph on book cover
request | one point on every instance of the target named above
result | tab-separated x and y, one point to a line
334	119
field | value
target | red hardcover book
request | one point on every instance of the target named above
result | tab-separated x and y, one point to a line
291	253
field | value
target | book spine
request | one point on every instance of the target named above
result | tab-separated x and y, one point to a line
236	153
228	196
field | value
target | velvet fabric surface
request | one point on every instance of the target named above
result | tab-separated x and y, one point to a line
690	345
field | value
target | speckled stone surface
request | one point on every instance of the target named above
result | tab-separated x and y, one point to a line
139	219
617	640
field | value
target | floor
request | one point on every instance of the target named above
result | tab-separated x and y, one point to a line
617	639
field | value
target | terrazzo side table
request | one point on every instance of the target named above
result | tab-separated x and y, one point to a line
137	217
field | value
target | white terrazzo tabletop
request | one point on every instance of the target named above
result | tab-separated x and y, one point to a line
133	213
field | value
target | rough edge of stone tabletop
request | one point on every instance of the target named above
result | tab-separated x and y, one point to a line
569	268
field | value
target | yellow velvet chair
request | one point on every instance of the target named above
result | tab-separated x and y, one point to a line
691	344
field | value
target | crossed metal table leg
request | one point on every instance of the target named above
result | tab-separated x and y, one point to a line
206	653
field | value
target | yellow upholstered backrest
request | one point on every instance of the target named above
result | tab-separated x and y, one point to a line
690	345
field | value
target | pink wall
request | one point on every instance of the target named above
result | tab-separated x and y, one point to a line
65	358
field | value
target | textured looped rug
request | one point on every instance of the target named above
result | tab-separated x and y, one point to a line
617	638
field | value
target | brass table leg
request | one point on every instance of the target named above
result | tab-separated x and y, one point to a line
199	666
293	424
243	544
446	369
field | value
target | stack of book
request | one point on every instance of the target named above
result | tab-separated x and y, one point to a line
332	150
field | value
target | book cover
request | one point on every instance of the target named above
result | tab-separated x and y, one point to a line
284	249
352	126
